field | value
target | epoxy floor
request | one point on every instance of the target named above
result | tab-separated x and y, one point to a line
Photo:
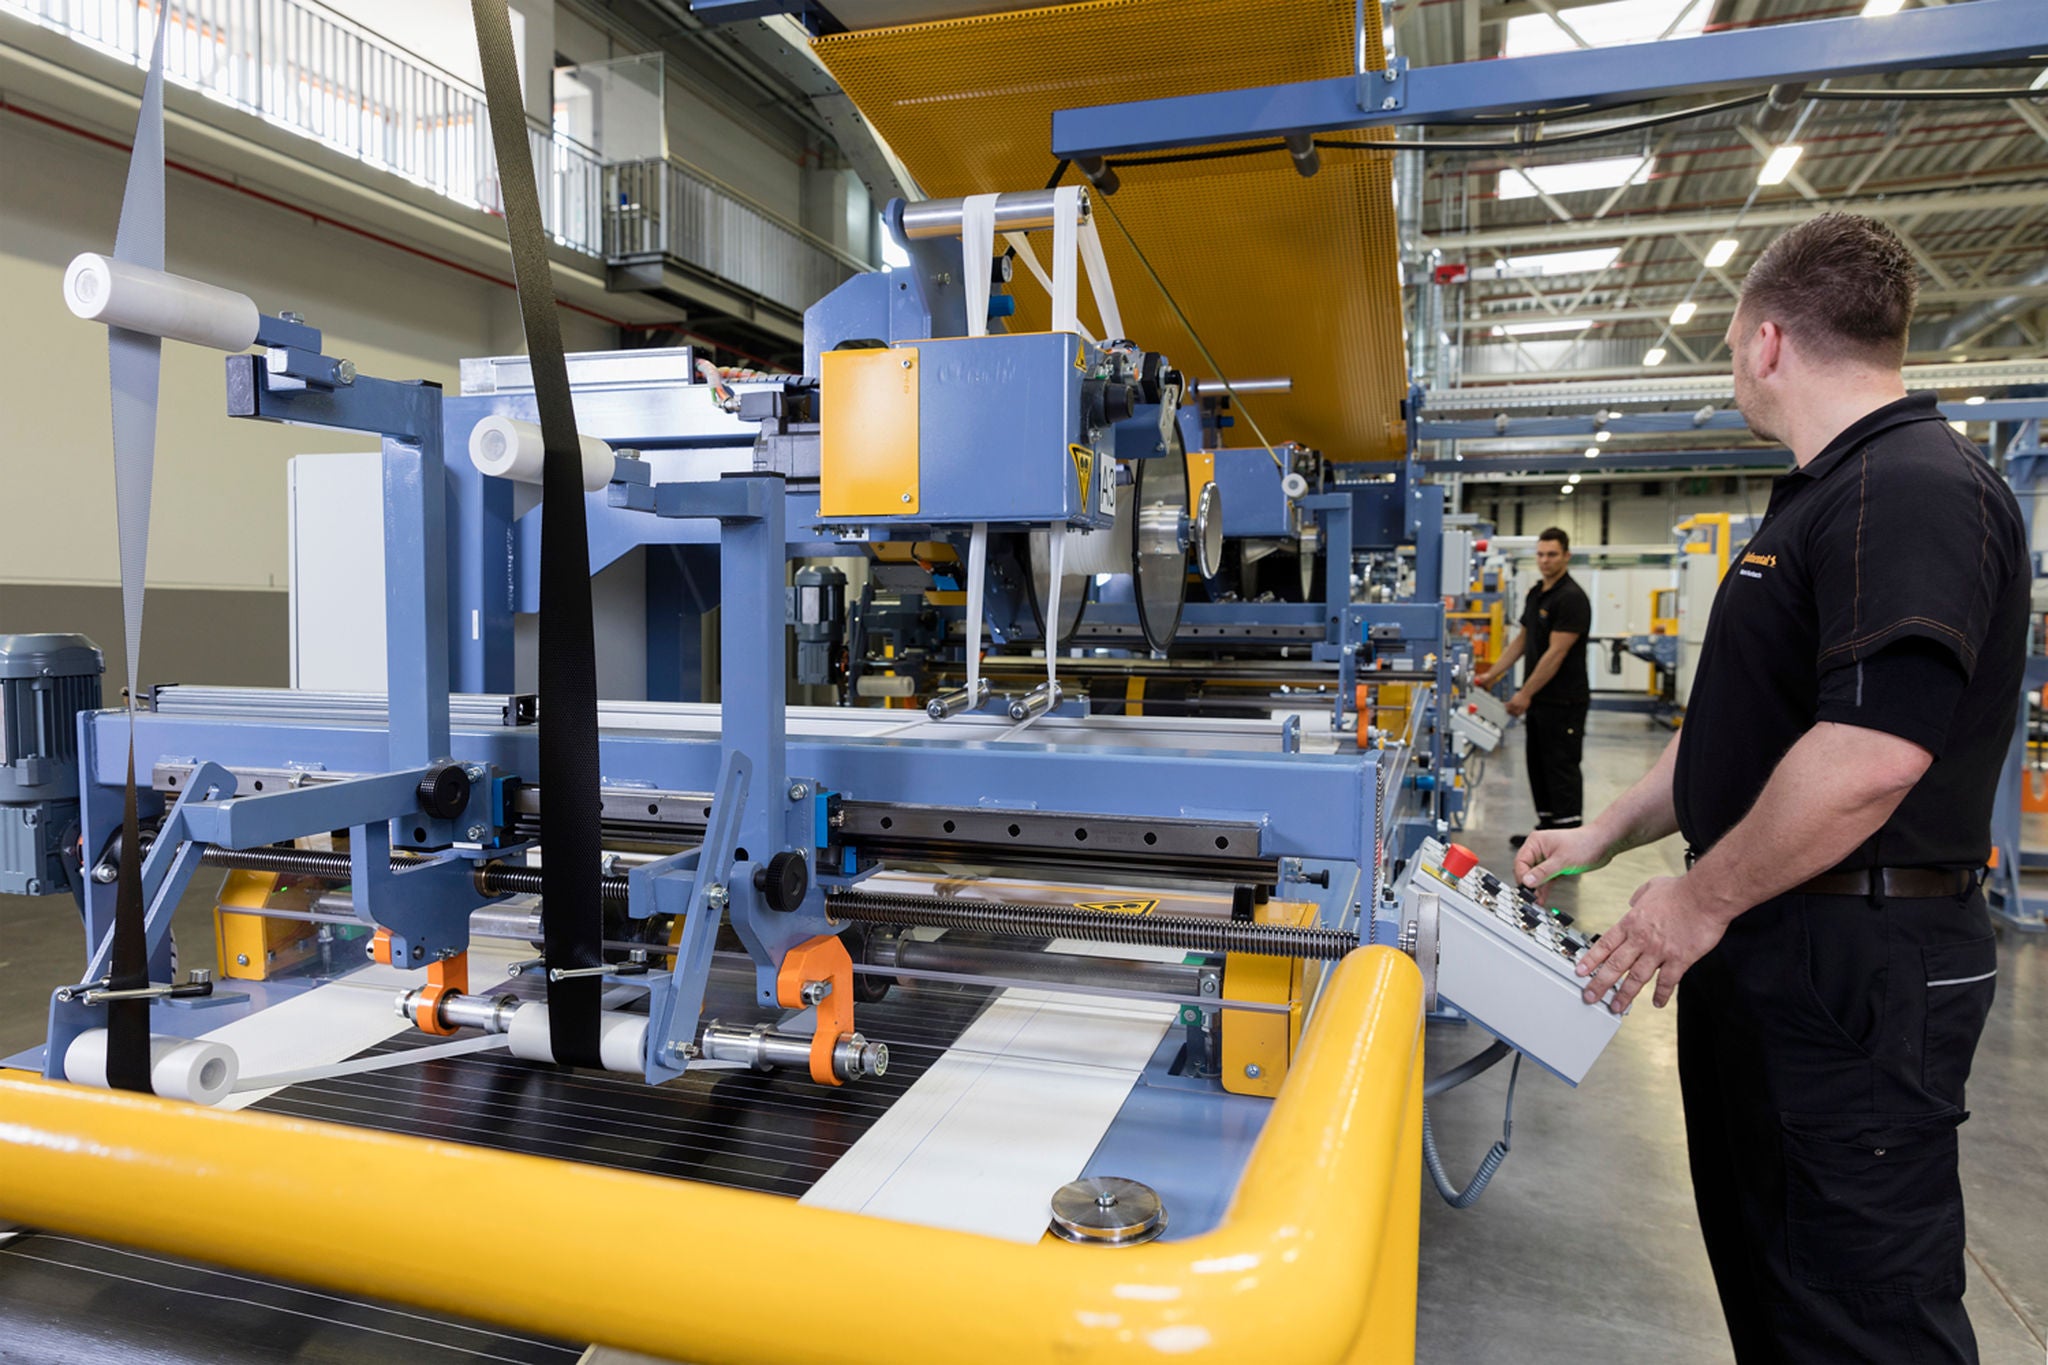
1585	1247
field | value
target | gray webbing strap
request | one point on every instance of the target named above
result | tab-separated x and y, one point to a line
572	915
134	366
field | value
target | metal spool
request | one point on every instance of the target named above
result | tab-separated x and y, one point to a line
1087	555
1107	1210
1159	550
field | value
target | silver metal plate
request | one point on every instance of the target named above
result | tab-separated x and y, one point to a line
1107	1210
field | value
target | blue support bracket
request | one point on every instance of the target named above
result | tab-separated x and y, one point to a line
695	885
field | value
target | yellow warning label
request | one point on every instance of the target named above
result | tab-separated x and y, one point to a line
1084	465
1077	357
1136	907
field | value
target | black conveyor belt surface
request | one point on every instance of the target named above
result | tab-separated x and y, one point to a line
67	1300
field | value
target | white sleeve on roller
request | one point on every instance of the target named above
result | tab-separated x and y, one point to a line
134	297
508	448
622	1038
179	1068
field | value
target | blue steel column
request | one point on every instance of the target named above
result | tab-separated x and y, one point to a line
481	582
416	599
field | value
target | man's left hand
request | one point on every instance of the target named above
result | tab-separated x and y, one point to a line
1518	704
1662	935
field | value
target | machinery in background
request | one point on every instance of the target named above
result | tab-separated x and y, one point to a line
46	682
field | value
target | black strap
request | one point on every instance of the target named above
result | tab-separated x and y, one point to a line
128	965
571	915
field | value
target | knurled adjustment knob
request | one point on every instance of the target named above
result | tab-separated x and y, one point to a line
783	881
444	791
1458	860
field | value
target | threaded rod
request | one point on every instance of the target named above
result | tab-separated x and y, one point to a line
492	879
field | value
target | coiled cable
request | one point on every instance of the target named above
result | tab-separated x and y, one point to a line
1495	1155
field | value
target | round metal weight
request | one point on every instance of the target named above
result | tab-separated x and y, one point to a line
1107	1210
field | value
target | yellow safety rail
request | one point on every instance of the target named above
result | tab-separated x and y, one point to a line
1315	1261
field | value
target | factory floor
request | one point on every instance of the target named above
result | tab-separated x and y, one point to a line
1584	1247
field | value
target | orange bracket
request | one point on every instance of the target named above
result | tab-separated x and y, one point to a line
446	976
1362	707
822	958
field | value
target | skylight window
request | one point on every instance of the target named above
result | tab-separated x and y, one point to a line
1557	263
1576	177
1608	25
1527	329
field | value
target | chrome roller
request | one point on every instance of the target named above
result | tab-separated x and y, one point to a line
1168	525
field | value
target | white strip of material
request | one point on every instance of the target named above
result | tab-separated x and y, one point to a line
1965	980
1058	541
1098	280
977	573
460	1047
1009	1114
977	257
1022	244
1066	282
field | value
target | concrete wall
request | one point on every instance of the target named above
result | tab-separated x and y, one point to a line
218	527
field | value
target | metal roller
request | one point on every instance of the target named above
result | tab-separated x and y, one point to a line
491	879
1015	920
1163	513
1028	211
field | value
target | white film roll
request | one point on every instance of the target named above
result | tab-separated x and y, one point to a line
179	1068
622	1038
507	448
134	297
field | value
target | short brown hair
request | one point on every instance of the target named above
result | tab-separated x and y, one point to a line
1841	285
1557	534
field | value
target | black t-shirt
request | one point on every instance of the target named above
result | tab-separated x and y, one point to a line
1563	607
1888	587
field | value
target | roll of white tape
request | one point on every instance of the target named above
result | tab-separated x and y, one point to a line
507	448
622	1038
120	294
179	1068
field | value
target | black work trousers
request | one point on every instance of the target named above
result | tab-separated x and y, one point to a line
1557	741
1822	1051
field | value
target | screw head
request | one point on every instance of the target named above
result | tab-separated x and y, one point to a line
799	790
906	497
906	362
717	897
1251	1070
104	873
476	833
241	959
1390	103
345	371
31	818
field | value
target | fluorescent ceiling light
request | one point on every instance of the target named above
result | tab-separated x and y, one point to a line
1654	356
1877	9
1721	253
1566	489
1974	399
1557	263
1600	436
1683	313
1592	451
1573	479
1525	329
1960	426
1622	21
1575	177
1779	164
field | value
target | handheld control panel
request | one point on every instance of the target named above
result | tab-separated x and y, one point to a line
1505	960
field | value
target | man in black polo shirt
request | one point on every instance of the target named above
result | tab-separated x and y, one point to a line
1554	693
1855	697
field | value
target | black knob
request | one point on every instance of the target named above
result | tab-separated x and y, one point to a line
444	791
783	881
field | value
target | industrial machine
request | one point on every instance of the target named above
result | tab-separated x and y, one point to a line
1156	937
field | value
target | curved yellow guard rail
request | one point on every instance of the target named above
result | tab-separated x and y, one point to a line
1315	1260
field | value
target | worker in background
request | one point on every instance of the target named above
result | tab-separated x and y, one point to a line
1854	699
1554	693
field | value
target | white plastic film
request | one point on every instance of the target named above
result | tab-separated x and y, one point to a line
977	257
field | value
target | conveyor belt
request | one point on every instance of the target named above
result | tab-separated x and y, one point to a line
67	1300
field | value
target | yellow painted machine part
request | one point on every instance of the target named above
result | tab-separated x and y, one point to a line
1315	1260
868	442
257	947
1259	1039
1281	276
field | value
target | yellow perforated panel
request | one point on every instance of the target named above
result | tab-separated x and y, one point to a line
1281	276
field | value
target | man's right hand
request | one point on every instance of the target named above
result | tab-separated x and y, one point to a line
1548	853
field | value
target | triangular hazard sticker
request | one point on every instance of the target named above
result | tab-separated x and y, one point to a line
1136	907
1084	465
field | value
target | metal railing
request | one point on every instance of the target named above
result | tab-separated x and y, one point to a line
657	207
304	68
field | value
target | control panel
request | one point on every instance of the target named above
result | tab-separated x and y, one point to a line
1505	960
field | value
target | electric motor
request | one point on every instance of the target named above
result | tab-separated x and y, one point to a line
45	682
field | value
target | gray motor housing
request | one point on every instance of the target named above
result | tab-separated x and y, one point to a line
45	682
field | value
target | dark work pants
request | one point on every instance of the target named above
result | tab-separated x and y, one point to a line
1557	740
1822	1050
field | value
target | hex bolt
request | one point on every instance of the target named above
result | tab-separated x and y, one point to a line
476	833
104	873
717	897
288	316
799	790
344	372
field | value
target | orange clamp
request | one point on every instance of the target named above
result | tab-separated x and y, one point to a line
823	958
446	976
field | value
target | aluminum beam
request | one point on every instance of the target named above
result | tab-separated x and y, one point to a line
1984	33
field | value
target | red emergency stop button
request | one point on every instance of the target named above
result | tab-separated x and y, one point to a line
1458	860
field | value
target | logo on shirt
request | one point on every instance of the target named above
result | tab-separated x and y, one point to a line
1760	561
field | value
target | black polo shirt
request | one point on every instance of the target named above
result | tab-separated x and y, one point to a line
1563	606
1887	587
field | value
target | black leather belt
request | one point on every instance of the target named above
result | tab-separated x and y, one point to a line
1897	883
1894	883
